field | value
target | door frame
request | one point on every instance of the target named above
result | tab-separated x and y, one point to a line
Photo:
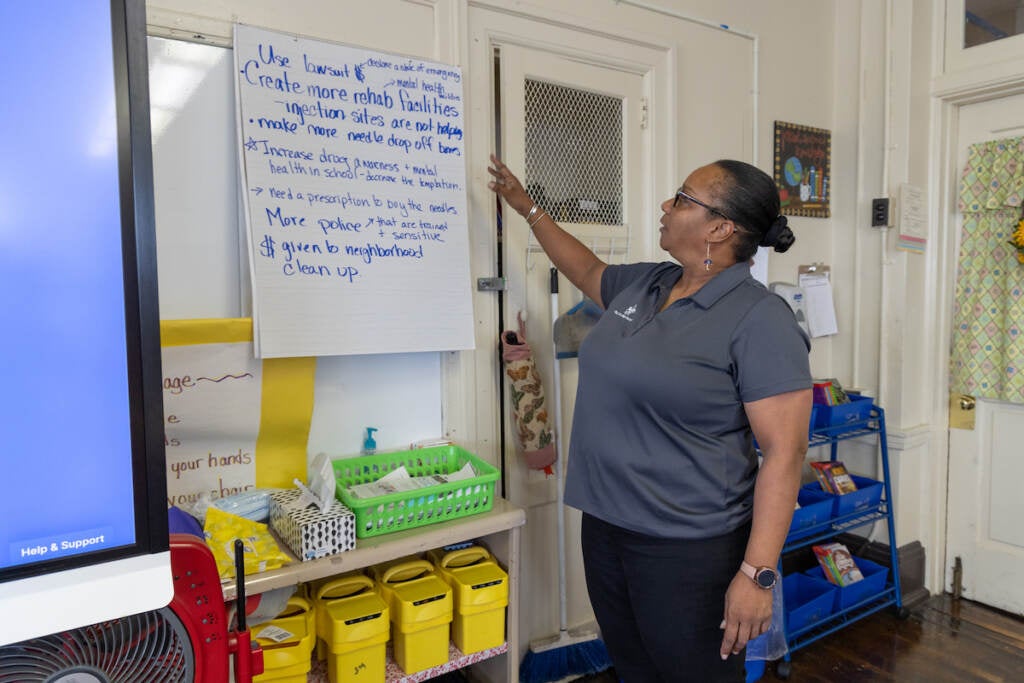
947	100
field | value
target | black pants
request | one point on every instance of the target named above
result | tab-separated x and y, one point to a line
659	602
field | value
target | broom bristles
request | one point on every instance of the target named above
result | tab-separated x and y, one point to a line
562	656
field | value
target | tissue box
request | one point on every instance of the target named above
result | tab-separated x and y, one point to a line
308	532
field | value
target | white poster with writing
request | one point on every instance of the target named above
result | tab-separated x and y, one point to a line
355	197
212	395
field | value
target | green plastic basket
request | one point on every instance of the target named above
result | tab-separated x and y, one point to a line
410	509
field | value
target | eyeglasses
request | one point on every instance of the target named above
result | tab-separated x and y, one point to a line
691	198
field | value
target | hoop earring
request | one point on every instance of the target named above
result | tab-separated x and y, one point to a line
707	259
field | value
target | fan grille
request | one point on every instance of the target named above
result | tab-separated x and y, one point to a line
151	647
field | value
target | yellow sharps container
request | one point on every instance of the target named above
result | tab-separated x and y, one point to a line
353	626
287	643
421	612
480	589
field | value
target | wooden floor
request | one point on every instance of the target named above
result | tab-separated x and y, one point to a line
943	641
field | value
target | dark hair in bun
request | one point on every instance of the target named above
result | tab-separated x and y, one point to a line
750	198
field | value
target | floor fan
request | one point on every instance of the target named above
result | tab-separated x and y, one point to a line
186	642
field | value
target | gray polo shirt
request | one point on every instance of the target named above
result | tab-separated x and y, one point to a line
660	442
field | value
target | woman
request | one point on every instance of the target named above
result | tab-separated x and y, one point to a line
690	362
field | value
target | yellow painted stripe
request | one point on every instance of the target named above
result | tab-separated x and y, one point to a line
205	331
286	411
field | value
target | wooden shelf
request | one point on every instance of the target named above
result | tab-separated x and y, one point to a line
503	516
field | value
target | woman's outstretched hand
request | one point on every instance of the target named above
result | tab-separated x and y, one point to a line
507	186
583	268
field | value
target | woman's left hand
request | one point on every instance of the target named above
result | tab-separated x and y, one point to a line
748	614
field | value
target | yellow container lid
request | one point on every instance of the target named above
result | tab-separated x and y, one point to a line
477	582
288	639
480	587
461	557
415	593
408	563
349	610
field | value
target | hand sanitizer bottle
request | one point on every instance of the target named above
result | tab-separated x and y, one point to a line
369	445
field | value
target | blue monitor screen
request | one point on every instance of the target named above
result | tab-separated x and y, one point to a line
74	348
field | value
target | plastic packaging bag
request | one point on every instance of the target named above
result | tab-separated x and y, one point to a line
253	504
263	607
572	326
771	644
261	550
198	508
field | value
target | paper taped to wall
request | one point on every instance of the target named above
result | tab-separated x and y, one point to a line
821	312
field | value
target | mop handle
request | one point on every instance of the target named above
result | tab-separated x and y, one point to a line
563	617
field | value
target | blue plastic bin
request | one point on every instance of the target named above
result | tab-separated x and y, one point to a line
857	410
815	508
867	495
807	600
873	583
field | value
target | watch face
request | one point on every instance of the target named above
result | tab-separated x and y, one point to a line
765	578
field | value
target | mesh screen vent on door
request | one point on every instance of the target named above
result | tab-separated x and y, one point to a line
574	153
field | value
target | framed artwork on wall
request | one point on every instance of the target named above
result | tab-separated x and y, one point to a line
803	169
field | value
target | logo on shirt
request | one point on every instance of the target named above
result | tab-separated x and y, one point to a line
626	314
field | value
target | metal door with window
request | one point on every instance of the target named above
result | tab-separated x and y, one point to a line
986	463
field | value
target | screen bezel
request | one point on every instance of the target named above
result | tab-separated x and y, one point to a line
141	303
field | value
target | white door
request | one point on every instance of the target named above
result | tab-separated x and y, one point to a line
573	133
986	464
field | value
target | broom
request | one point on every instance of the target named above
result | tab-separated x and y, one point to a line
581	651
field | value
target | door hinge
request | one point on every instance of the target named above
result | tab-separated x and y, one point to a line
644	111
490	284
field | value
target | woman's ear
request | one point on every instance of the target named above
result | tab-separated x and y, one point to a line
721	230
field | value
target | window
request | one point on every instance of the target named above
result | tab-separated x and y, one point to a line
989	20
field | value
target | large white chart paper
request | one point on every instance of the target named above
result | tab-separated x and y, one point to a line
354	188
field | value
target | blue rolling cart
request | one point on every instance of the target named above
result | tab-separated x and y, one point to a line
820	610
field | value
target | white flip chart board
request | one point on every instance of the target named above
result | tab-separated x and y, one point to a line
203	261
355	198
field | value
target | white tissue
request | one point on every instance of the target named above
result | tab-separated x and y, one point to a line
320	491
